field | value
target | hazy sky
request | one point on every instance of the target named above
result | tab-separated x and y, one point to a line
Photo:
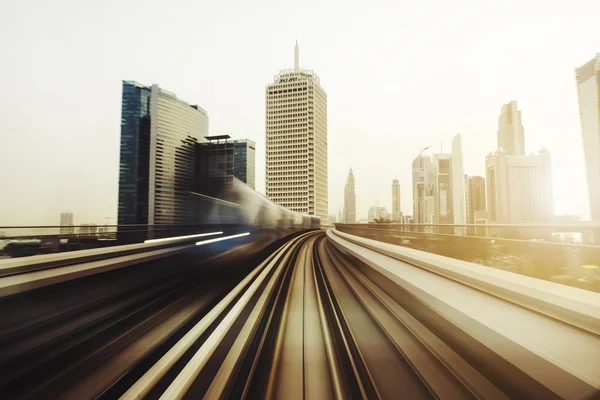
399	75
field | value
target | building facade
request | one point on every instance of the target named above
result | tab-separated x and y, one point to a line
244	161
134	165
66	223
588	91
396	210
349	213
159	133
519	188
422	180
459	202
377	214
511	135
442	188
475	196
214	165
296	141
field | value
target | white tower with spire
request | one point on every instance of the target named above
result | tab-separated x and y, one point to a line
296	138
349	200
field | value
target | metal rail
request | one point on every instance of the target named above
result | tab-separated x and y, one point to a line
326	316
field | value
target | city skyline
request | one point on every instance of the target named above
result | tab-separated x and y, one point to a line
367	112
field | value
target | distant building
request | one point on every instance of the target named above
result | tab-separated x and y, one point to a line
511	137
377	213
442	188
422	180
519	188
332	219
296	141
244	164
159	133
349	213
476	196
449	186
459	202
588	91
396	213
66	223
214	165
87	229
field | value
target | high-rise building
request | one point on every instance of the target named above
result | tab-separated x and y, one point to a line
476	196
442	188
214	165
396	213
377	214
296	138
439	187
459	203
66	223
349	215
519	188
588	91
244	165
159	133
511	137
422	179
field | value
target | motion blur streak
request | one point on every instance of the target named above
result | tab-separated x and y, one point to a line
182	237
221	239
313	315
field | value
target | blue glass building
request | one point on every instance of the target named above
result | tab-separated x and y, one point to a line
244	154
135	154
159	133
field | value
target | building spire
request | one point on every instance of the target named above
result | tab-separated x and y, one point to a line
296	58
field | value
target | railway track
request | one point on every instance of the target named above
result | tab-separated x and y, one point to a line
314	319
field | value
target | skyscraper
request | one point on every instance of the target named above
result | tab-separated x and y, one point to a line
510	130
422	179
588	91
378	214
476	196
349	216
214	165
396	213
66	223
442	188
518	186
459	204
159	133
296	138
244	165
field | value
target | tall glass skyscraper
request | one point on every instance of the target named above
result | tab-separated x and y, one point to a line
244	155
159	133
135	154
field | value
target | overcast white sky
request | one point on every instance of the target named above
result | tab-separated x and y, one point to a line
399	75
